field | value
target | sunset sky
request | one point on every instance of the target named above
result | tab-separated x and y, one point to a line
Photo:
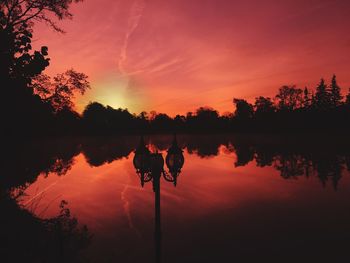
173	56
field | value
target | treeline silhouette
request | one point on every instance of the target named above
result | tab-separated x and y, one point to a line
324	109
291	110
35	104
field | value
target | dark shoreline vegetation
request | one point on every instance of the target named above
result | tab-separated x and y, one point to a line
35	104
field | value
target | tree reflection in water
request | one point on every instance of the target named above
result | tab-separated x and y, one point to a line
28	238
292	157
24	236
295	158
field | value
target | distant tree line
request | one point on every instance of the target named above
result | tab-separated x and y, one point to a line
291	110
36	104
295	109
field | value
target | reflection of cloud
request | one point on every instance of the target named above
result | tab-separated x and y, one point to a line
126	206
136	13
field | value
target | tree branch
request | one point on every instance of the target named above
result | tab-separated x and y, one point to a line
28	18
26	11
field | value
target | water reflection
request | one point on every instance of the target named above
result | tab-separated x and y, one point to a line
28	238
150	167
227	183
293	159
25	237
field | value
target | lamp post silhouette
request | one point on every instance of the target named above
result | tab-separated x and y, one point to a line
150	167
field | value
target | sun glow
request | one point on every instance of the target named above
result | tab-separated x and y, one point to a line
171	56
114	91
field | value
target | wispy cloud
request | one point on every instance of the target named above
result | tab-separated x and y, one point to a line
135	16
175	56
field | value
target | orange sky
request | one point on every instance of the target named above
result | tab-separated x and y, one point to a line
176	55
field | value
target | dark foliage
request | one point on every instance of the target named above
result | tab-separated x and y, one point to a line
292	110
28	106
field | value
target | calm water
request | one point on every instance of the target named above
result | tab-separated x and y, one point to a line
237	198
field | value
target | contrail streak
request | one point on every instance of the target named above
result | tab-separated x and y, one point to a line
126	206
136	13
41	192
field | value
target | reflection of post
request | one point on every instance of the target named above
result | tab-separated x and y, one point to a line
150	166
157	164
157	233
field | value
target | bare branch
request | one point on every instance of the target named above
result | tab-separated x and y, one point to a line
28	18
26	11
22	11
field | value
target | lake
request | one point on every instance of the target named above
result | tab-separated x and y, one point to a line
237	198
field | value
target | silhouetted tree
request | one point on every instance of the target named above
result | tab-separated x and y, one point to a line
263	106
152	115
67	117
162	122
206	118
142	121
95	116
335	95
120	119
60	92
15	12
289	98
179	122
322	96
100	119
16	23
244	110
347	99
207	113
306	100
143	116
15	45
19	65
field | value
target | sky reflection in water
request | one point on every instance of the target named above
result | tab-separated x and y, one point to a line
224	205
